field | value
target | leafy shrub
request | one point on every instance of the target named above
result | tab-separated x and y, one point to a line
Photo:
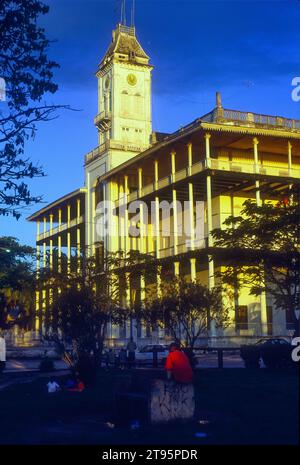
251	356
46	364
86	370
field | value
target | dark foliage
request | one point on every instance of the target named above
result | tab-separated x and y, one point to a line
28	76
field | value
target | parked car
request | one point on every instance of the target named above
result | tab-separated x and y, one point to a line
145	354
272	341
274	352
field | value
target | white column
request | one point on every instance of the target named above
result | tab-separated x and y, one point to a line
69	238
37	249
263	298
78	210
193	269
157	231
190	158
126	225
78	250
209	210
207	149
256	165
191	214
290	158
93	219
69	251
177	269
69	215
59	253
211	277
173	165
51	243
140	180
175	221
37	294
142	233
211	271
156	173
121	218
44	255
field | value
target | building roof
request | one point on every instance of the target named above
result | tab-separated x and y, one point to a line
56	203
222	119
124	42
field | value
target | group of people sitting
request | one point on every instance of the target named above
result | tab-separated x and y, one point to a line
73	384
178	368
178	365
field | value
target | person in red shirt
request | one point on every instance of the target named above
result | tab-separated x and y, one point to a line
178	366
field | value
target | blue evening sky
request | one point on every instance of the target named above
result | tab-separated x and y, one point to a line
249	50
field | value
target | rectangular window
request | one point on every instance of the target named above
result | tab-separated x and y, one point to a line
242	317
99	254
289	320
270	320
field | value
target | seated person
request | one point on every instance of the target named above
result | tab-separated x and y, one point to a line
178	365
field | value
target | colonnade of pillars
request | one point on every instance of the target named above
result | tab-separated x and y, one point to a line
124	192
41	250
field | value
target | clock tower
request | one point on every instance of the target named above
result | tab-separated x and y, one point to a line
124	97
123	121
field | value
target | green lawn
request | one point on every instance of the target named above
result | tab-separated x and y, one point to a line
242	407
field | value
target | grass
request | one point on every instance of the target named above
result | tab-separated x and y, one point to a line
242	407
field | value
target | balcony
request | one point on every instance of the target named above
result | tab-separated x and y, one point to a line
60	229
103	121
215	164
112	144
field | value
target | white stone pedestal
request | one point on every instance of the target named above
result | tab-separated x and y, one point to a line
170	401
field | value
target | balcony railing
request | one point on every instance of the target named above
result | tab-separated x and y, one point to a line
112	144
251	168
103	115
224	115
215	164
59	229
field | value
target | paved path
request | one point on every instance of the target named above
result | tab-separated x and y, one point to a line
208	360
23	365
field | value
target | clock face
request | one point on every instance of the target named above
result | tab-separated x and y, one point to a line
106	83
131	79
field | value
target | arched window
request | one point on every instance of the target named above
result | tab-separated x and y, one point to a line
125	103
138	103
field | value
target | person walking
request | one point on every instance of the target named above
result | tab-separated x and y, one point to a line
122	358
131	348
2	353
178	366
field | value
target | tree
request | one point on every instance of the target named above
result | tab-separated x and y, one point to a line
83	305
261	251
28	76
185	309
16	276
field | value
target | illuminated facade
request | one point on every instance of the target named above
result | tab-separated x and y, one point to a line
221	159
